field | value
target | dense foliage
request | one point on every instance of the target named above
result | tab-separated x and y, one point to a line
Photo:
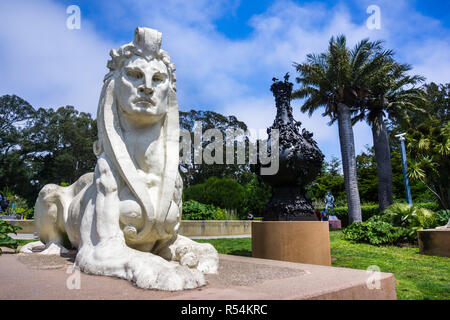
227	193
43	146
195	173
442	217
375	233
429	147
193	210
5	239
397	224
331	178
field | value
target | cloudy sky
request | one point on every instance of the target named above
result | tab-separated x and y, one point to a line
226	52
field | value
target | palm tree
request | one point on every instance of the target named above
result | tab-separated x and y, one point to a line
336	80
391	93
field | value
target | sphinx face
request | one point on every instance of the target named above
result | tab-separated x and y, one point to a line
141	89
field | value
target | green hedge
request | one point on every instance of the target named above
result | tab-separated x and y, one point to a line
397	224
193	210
368	211
376	233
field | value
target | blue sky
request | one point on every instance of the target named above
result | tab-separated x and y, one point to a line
226	52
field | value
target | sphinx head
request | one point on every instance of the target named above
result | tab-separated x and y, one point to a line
143	76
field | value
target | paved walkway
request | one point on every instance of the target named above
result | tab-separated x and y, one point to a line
23	236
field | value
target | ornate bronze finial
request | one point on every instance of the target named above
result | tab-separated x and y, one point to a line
300	161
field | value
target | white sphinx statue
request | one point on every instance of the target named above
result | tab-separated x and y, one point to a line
124	217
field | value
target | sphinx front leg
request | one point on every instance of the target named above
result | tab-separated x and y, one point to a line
202	256
145	270
103	250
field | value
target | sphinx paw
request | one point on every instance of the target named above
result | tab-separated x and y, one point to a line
54	248
171	278
202	256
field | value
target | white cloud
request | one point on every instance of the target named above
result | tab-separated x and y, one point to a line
44	62
51	66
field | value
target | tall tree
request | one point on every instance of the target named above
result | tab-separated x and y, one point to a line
15	166
193	173
336	80
391	95
60	143
428	143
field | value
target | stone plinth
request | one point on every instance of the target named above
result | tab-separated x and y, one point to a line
434	242
294	241
27	226
24	277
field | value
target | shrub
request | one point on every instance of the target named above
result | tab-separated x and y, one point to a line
5	239
221	214
411	218
368	211
442	217
407	216
257	193
194	210
17	205
375	233
220	192
433	206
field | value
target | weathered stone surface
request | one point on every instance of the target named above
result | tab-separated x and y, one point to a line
434	242
294	241
124	217
239	278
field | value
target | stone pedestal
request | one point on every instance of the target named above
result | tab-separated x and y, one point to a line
434	242
335	224
293	241
26	277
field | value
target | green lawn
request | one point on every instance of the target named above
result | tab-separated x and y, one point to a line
417	276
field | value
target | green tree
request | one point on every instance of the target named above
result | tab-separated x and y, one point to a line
336	79
329	179
429	150
224	193
192	173
60	143
15	164
428	143
257	193
392	94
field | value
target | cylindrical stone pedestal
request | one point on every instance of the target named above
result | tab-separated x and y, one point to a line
294	241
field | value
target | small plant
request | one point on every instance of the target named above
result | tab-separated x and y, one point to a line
193	210
26	213
376	233
412	217
5	239
442	217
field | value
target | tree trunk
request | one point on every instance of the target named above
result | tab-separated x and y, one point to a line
383	159
349	163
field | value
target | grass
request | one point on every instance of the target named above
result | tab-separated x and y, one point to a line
418	277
